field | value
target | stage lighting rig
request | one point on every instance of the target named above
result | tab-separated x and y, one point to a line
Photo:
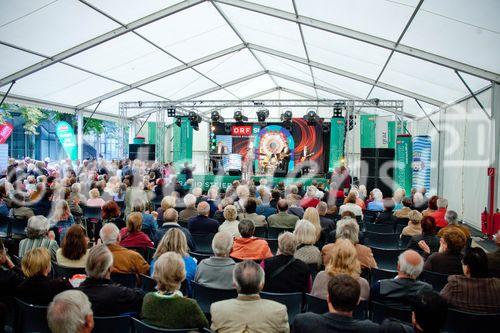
326	127
262	115
171	112
338	107
178	121
350	123
216	117
311	117
194	120
286	116
239	117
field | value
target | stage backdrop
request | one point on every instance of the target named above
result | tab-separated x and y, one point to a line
301	136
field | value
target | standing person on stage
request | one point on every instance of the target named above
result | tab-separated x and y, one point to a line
285	159
248	161
221	149
188	171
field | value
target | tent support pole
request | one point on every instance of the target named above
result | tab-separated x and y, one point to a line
472	94
7	93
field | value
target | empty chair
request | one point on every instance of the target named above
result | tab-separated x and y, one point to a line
464	322
273	233
125	279
205	296
381	311
370	216
436	280
17	229
292	301
381	240
402	221
386	258
380	228
316	304
147	283
260	232
66	272
377	274
142	327
203	242
114	324
31	318
273	245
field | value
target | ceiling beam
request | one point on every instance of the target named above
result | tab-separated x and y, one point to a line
162	75
364	37
99	40
347	74
258	94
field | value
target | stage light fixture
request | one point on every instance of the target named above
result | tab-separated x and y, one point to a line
286	116
338	107
227	128
171	112
262	115
326	127
178	121
194	120
311	117
239	117
216	117
350	122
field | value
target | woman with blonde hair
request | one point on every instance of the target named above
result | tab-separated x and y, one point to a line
61	219
413	228
95	199
175	241
305	237
311	214
231	223
343	260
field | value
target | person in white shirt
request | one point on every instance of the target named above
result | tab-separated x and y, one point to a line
231	223
350	205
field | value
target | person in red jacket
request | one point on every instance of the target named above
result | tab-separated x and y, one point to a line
132	236
440	213
248	247
310	199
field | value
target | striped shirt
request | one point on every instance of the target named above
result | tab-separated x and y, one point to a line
28	244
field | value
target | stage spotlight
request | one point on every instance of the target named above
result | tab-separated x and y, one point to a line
227	128
239	117
326	127
194	120
178	121
350	123
262	115
216	117
338	107
311	117
286	116
171	112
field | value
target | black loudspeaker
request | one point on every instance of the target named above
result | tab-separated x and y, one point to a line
234	172
143	152
373	160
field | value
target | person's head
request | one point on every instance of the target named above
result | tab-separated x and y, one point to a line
74	244
311	214
294	189
343	294
428	225
134	222
246	228
406	202
410	264
242	192
418	199
377	195
351	198
282	205
251	205
415	217
94	193
305	232
311	191
347	228
197	192
399	194
451	217
38	227
173	241
203	208
388	204
429	312
99	262
287	244
442	203
433	202
169	272
222	244
170	215
189	200
167	202
70	312
138	205
109	234
348	214
230	213
344	259
475	263
248	277
36	262
110	210
453	241
322	208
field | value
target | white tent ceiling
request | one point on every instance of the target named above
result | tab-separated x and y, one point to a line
74	54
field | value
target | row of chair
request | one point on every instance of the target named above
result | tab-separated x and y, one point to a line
12	228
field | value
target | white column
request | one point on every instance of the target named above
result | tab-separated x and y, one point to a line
79	135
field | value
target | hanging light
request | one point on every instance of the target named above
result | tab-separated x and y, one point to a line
311	117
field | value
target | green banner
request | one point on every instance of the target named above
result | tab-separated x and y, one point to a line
368	125
183	142
67	137
336	143
404	158
393	132
152	132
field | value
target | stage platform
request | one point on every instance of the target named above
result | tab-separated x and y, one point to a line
223	181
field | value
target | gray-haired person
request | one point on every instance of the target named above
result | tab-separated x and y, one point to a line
70	312
37	233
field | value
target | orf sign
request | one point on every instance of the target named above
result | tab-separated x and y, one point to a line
241	130
66	136
6	130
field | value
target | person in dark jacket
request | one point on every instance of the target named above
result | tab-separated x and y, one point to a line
428	237
386	216
343	297
449	258
39	288
107	298
10	277
170	218
284	273
202	224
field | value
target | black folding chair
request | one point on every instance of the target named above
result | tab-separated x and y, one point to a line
436	280
381	311
66	272
5	226
273	245
114	324
147	283
203	242
377	274
381	240
380	228
292	301
403	243
199	256
316	304
361	310
463	322
370	216
18	228
273	233
142	327
125	279
386	258
31	318
260	232
205	296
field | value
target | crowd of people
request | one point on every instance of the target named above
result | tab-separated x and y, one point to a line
320	251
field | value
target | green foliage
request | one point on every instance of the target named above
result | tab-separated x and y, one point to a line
93	126
32	118
5	113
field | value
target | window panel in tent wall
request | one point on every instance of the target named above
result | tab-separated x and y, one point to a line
284	66
191	33
385	19
127	58
55	27
463	30
14	60
266	30
344	53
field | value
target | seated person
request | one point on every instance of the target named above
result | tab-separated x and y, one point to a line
190	211
170	217
111	213
451	218
376	204
132	236
149	224
413	228
343	297
449	258
282	219
124	260
402	290
350	205
386	216
95	199
74	248
403	212
202	224
10	277
70	311
250	213
231	223
284	273
327	224
427	239
107	298
38	235
305	237
249	247
475	291
439	214
39	288
217	271
167	307
248	312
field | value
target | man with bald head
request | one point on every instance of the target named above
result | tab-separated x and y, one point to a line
401	290
282	219
170	218
202	224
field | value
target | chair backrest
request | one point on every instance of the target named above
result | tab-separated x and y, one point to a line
5	226
140	250
260	232
382	228
361	311
125	279
147	283
205	296
66	272
114	324
386	258
316	304
381	240
90	212
359	219
370	215
461	322
31	318
402	221
273	233
405	239
273	245
292	301
18	227
377	274
142	327
436	280
381	311
203	242
199	256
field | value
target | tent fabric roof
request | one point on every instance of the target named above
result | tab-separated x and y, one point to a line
75	54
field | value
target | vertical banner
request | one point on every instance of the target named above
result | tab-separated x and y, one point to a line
381	133
67	137
183	142
152	132
394	129
6	130
336	142
422	162
404	156
368	125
